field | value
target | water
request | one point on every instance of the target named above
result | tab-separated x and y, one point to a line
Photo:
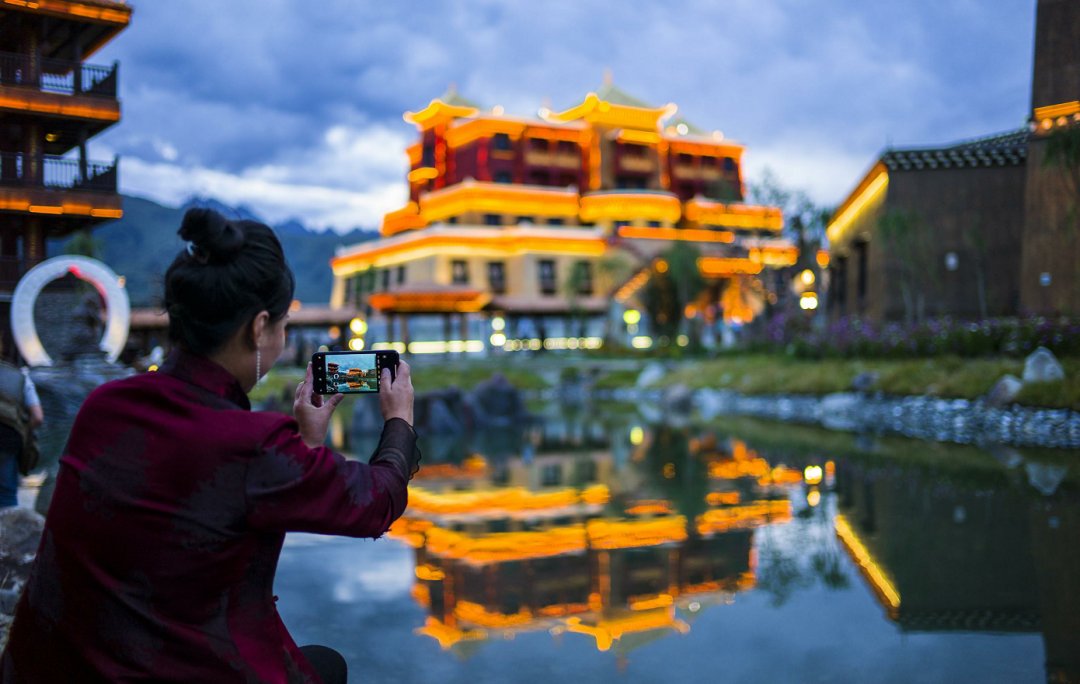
601	545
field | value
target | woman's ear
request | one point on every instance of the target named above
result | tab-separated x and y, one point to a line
259	328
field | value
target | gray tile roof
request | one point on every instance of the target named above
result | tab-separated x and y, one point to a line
1002	149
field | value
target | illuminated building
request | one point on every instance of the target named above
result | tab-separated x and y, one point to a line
51	103
972	229
522	219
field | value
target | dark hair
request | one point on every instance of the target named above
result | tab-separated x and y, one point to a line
229	272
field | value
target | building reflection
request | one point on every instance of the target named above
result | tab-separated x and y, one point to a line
947	555
622	540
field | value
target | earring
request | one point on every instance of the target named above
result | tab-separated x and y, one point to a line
258	364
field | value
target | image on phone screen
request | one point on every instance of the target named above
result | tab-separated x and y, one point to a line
351	373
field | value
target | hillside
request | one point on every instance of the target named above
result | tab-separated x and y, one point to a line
141	246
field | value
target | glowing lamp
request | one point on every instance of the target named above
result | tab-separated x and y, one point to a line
682	340
807	277
497	339
631	316
334	332
152	368
498	323
808	301
358	326
812	474
356	344
813	498
637	435
661	266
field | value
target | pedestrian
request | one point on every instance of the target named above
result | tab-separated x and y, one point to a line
173	498
20	414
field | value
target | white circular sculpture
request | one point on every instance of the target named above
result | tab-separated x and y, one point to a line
92	271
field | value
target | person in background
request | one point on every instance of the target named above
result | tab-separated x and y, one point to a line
20	414
173	498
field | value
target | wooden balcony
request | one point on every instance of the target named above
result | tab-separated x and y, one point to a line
560	160
637	164
59	187
57	87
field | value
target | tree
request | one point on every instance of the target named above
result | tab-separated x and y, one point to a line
83	243
914	254
675	282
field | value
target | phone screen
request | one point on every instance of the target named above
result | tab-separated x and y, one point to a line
350	373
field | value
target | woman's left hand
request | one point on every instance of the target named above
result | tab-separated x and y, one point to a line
312	411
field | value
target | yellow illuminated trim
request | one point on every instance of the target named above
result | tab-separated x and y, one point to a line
446	635
597	111
734	215
498	198
41	209
775	256
871	187
608	631
406	218
63	209
638	137
744	516
630	206
416	154
561	133
422	174
1057	110
881	584
502	500
112	15
482	127
688	234
60	105
459	302
727	266
435	113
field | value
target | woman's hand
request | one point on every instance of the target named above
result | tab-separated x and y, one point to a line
396	398
312	411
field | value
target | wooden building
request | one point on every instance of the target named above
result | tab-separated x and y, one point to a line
985	227
52	102
519	219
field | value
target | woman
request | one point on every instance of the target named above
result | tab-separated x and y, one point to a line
173	498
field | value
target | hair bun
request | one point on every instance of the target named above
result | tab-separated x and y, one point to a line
213	238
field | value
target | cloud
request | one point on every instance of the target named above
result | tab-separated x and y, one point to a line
300	111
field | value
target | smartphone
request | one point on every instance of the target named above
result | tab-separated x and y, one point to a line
351	372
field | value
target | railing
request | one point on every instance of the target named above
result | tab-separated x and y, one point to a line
58	75
58	173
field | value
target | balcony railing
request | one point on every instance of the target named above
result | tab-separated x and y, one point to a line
57	173
58	75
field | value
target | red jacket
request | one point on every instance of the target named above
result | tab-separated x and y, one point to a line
171	505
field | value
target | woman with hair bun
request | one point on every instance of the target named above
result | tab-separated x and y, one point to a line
173	498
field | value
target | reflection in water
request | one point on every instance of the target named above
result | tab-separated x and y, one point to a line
576	538
603	532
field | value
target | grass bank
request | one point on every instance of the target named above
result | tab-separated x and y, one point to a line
946	376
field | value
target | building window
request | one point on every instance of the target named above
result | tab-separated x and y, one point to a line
583	277
428	156
709	162
862	254
525	219
547	277
401	275
538	144
459	272
621	224
630	182
497	277
556	221
501	141
653	224
729	164
492	220
635	151
685	159
386	279
503	177
567	180
539	177
551	475
452	220
371	280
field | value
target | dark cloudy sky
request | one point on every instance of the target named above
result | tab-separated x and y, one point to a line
294	106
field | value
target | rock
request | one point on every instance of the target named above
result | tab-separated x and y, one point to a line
1042	366
651	374
678	398
1004	391
839	411
497	403
20	531
1045	477
864	382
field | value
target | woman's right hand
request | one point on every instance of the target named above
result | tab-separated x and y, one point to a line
396	397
